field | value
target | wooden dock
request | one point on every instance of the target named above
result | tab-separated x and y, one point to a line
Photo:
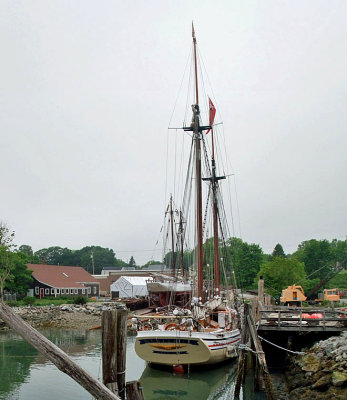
298	319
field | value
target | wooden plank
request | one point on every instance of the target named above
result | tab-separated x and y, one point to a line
55	354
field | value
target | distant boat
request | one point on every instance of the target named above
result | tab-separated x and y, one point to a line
205	332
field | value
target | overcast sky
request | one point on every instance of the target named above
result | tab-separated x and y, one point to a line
88	88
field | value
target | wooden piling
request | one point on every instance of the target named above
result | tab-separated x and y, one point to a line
270	394
55	354
134	391
261	290
114	331
242	361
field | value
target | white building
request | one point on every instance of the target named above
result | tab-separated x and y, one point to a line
130	286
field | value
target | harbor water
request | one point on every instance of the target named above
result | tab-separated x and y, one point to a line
27	375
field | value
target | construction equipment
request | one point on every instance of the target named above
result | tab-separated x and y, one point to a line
293	295
329	295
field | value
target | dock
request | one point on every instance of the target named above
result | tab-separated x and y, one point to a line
299	319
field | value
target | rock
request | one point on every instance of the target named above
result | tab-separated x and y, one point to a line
309	362
339	378
322	384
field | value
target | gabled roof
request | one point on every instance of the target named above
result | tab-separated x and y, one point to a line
61	276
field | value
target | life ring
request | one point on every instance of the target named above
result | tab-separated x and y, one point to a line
175	327
172	327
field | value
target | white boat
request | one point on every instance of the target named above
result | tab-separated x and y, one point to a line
178	347
206	333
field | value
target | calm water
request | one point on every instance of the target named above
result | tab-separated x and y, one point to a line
27	375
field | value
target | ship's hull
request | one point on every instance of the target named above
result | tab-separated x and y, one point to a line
183	347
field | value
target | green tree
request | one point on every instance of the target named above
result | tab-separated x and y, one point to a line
6	259
280	273
318	257
246	260
338	281
21	276
103	257
56	255
339	250
132	262
278	251
26	249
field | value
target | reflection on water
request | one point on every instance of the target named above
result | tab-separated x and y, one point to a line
215	383
27	375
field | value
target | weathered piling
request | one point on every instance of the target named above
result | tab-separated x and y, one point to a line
242	361
262	374
114	331
134	391
55	354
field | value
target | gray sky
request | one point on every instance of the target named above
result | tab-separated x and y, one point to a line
88	88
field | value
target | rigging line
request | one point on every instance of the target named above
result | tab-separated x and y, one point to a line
237	207
189	86
175	162
180	88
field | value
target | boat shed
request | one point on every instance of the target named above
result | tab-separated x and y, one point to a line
130	286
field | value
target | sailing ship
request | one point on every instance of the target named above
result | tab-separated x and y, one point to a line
205	332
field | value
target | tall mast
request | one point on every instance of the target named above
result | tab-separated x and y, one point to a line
172	239
197	139
182	243
215	223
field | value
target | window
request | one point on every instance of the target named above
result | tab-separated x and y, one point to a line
37	290
83	291
52	291
94	290
76	291
58	291
62	291
71	291
46	291
89	290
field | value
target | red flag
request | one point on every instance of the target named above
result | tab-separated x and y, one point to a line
212	113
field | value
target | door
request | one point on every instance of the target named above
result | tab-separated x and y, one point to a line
42	292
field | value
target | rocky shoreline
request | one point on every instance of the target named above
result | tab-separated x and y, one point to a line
321	373
68	316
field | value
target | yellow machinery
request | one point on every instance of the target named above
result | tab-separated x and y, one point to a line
293	295
331	295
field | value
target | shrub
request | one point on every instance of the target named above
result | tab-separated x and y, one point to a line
29	301
80	300
12	303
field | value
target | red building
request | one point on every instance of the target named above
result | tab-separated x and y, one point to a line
58	280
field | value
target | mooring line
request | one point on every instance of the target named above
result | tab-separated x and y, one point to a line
282	348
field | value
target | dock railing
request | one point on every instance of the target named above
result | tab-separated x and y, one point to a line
301	319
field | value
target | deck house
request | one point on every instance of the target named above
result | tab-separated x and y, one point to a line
58	280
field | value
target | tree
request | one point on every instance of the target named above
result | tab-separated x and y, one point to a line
26	249
318	257
280	273
6	262
56	255
278	251
132	262
21	276
338	281
246	260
